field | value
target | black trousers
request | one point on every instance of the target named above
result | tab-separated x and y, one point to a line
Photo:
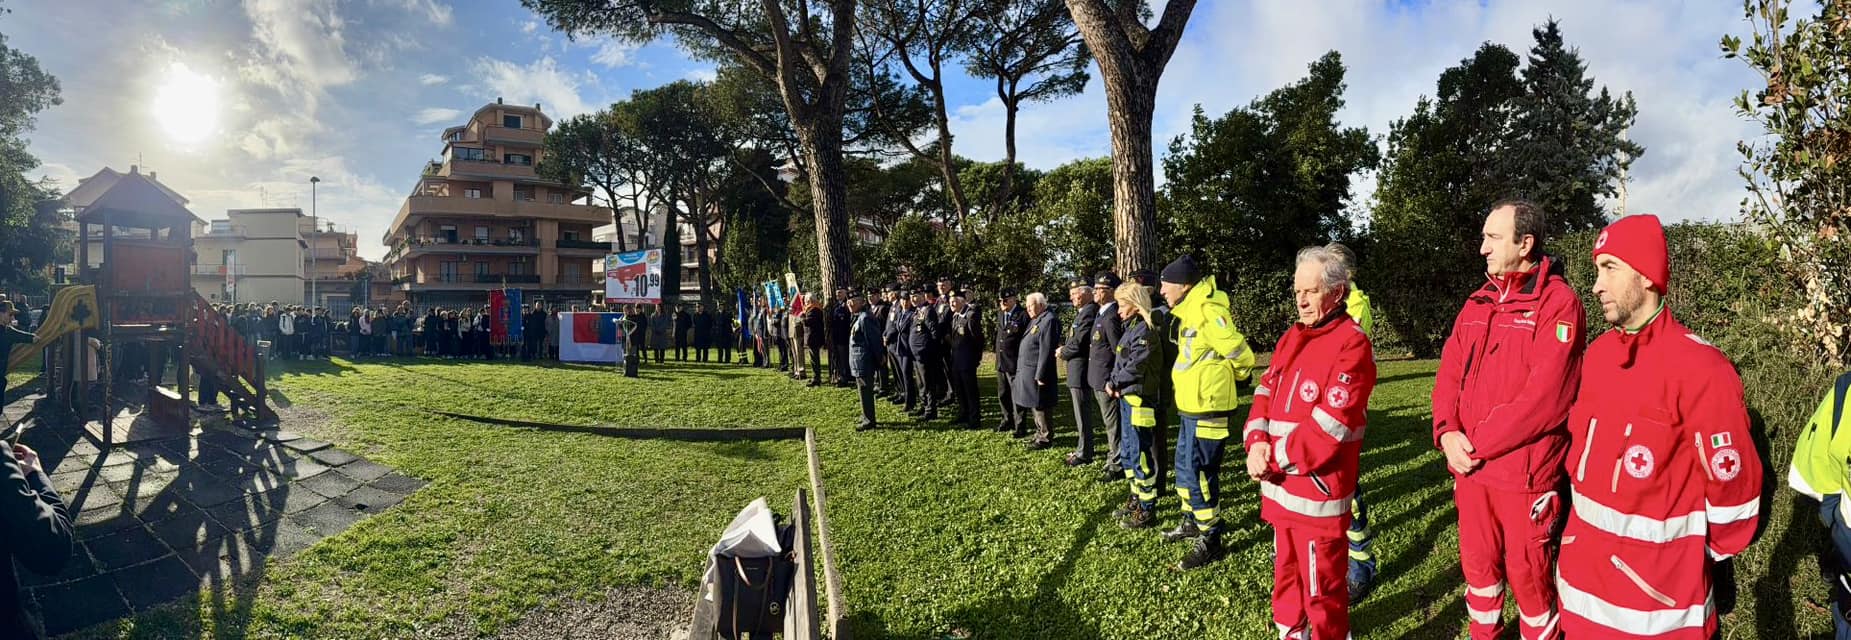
865	386
1005	394
964	380
909	383
700	352
1085	419
838	361
930	377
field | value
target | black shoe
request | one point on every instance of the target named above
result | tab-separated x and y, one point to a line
929	416
865	426
1183	531
810	384
1002	427
1018	434
1039	445
1130	505
1139	518
1207	549
1108	477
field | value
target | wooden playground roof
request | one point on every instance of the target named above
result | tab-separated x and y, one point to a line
130	199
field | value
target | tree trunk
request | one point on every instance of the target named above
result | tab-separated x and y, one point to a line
1134	180
947	163
822	143
1011	107
698	219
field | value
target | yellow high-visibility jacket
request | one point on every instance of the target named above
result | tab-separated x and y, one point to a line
1211	355
1822	458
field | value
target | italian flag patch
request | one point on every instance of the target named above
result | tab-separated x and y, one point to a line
1719	440
1563	332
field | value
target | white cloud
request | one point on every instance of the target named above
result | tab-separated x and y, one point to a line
543	81
434	115
302	47
430	79
530	26
614	53
702	75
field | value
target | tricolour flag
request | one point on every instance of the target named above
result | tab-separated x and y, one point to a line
590	337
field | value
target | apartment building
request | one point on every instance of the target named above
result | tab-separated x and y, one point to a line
482	218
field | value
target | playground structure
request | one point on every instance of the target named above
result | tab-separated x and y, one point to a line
137	306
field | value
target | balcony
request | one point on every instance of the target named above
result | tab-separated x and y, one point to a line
524	137
584	245
486	168
489	208
412	247
495	278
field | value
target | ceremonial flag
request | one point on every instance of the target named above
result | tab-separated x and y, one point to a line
498	316
742	311
513	298
590	337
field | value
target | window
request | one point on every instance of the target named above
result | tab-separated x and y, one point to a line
447	272
511	121
472	192
556	197
523	193
481	235
481	271
570	235
519	158
447	234
456	136
469	153
516	235
519	267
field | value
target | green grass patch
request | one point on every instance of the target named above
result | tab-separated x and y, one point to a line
939	531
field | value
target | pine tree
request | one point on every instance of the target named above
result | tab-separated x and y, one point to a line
1567	147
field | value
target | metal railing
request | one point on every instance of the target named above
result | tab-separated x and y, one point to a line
583	244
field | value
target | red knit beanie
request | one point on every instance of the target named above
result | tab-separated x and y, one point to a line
1639	241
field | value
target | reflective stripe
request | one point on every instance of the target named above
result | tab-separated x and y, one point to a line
1544	624
1211	429
1280	428
1612	521
1262	390
1335	427
1256	424
1794	479
1483	616
1279	456
1304	506
1143	417
1633	621
1726	514
1311	560
1492	591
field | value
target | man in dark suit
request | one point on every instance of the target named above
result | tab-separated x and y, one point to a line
1011	325
840	319
1075	352
1102	353
684	324
901	340
1035	371
894	338
703	331
966	347
922	340
864	356
941	316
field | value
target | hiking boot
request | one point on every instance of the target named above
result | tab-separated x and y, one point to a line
1131	504
1183	531
1207	550
1139	518
1362	580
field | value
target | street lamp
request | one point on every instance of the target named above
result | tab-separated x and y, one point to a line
314	212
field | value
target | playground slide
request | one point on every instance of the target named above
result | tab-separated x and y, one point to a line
72	309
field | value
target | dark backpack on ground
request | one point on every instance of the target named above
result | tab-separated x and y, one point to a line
753	593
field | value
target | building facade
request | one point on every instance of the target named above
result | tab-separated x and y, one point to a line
483	219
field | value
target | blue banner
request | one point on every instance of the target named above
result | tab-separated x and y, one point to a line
743	311
513	309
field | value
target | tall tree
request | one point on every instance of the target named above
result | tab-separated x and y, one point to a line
919	38
1568	145
1246	190
1799	175
1440	173
1131	59
1075	199
590	149
1035	54
807	54
32	235
674	128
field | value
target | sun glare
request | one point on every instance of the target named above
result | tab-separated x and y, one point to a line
186	104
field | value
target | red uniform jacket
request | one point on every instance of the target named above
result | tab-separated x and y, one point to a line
1312	406
1664	478
1508	375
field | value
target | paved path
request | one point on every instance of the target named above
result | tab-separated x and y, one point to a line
162	519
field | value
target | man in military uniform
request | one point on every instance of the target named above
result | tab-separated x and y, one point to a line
1011	325
966	352
895	339
1101	352
877	310
1074	352
839	320
922	341
1035	372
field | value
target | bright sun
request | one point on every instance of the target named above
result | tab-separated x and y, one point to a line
187	104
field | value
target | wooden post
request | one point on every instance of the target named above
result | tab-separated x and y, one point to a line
832	582
801	617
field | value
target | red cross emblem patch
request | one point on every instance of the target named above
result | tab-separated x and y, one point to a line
1638	461
1308	391
1726	463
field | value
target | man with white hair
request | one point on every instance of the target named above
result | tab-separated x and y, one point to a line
1304	441
1036	374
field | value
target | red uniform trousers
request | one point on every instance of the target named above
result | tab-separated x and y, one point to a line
1506	538
1310	583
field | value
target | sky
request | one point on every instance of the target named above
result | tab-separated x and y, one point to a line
237	103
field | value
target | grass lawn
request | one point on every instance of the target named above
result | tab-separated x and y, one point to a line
939	532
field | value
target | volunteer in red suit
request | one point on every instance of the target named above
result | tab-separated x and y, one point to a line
1500	410
1303	440
1664	477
